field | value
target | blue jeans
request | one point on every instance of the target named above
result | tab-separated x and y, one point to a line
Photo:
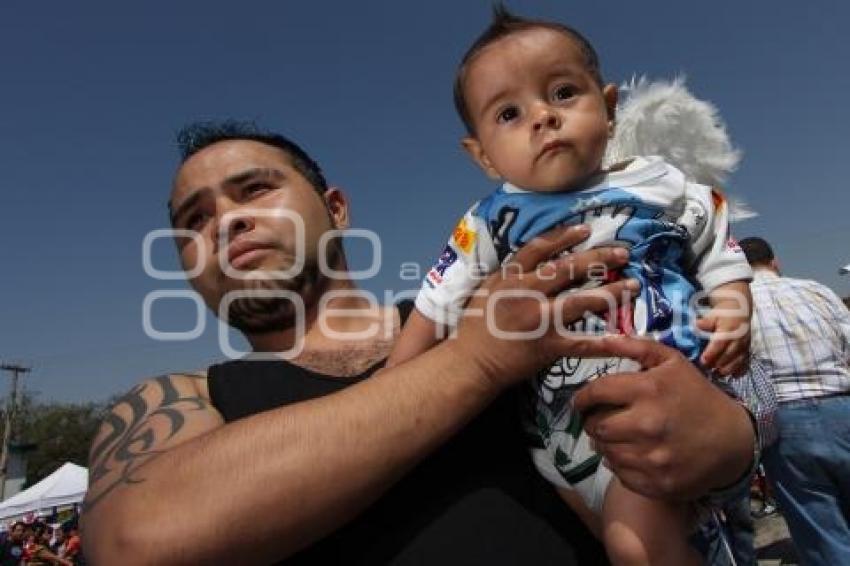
737	530
809	467
740	530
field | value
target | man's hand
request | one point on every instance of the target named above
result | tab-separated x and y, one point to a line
517	321
665	431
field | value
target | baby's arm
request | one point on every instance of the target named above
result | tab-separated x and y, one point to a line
419	335
722	269
467	257
728	322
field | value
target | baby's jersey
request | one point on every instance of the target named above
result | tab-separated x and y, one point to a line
677	235
676	231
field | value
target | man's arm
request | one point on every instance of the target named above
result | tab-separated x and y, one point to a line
837	312
311	466
170	485
155	416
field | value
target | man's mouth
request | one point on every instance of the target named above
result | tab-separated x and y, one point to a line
242	253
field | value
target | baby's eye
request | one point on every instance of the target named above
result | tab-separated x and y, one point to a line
508	114
564	92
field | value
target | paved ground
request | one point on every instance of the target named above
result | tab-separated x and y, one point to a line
773	545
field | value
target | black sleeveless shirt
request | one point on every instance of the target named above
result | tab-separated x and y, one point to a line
476	500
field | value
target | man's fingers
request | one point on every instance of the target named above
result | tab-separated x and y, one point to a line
608	426
578	267
648	353
543	247
621	456
624	425
573	306
610	390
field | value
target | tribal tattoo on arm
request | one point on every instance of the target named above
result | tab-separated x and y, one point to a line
139	424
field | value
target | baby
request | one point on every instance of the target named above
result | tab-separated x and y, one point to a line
539	117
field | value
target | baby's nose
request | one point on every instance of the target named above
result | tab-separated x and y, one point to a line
547	118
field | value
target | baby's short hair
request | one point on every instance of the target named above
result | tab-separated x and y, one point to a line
505	23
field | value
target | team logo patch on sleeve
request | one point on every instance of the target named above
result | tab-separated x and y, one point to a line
446	259
732	244
464	236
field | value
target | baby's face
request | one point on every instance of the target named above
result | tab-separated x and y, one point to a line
541	120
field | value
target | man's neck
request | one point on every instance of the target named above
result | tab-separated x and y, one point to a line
765	270
344	332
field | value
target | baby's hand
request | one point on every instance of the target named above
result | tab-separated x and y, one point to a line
728	350
728	321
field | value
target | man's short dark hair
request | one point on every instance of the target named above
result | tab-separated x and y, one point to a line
505	23
196	136
757	250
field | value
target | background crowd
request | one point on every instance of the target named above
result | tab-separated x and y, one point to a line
39	543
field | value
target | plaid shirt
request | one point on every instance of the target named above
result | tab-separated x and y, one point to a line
801	335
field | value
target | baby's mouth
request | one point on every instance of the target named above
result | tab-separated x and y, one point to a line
552	146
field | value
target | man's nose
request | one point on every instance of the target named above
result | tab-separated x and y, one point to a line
545	117
232	223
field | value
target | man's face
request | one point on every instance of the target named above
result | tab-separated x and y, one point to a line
17	533
233	194
541	120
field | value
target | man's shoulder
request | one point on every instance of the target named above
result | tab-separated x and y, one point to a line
168	390
791	285
797	283
155	416
184	381
197	380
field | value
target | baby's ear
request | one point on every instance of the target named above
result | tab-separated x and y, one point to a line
476	152
611	95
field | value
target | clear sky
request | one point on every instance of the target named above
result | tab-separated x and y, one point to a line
93	92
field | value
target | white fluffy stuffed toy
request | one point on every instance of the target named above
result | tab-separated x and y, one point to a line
664	118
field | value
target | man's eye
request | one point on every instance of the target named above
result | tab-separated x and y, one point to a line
508	114
196	221
254	189
564	92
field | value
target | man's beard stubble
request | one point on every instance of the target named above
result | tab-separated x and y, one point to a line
262	314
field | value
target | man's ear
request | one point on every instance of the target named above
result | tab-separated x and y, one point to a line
611	95
337	205
476	152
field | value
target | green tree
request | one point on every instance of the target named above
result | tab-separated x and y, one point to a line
61	432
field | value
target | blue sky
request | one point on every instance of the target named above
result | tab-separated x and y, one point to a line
93	92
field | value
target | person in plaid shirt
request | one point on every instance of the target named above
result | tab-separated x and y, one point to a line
801	336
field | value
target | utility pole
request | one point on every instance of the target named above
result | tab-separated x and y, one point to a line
11	408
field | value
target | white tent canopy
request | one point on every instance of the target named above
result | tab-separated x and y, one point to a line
65	486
